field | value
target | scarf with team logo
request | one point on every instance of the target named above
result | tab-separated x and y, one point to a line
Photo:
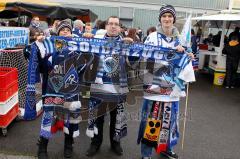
103	47
120	74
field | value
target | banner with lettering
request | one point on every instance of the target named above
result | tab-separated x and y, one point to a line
12	36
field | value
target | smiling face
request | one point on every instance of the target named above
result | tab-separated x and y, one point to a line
167	20
113	27
66	32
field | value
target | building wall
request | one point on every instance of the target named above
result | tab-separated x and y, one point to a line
102	12
202	4
145	12
149	18
145	19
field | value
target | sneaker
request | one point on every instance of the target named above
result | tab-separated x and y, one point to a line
170	154
117	149
227	87
93	149
232	86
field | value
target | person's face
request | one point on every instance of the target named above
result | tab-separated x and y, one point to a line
113	27
66	32
167	20
36	20
88	29
40	37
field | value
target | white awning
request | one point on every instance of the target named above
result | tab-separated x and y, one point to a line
220	17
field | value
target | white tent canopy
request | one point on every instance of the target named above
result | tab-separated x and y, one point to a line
225	18
221	16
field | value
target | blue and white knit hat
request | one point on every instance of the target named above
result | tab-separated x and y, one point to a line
63	24
167	9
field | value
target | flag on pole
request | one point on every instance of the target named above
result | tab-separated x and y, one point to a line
185	40
185	37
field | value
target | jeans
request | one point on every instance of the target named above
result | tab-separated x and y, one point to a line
146	151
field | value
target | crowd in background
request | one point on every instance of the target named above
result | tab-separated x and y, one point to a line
79	27
87	29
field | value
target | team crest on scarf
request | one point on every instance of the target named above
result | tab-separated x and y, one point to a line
71	76
111	42
57	82
110	65
171	56
60	44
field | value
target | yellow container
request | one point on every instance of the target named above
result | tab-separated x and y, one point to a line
219	78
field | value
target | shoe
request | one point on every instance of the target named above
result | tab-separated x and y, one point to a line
117	149
232	86
93	149
42	148
227	87
146	157
68	146
170	154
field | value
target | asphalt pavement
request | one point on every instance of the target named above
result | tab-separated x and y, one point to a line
212	129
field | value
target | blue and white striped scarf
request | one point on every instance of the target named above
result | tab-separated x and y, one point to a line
86	45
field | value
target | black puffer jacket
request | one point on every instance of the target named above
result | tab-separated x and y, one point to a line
232	49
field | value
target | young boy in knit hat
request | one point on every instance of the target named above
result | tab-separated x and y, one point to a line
51	121
160	110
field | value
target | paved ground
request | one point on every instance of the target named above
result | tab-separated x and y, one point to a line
212	130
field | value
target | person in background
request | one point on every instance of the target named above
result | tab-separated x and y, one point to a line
132	33
139	33
209	39
232	50
149	31
193	42
34	25
52	31
12	23
234	33
78	27
199	35
2	24
131	61
102	29
216	39
88	31
123	31
96	27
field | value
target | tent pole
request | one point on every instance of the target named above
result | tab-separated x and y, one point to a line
222	37
18	16
228	27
